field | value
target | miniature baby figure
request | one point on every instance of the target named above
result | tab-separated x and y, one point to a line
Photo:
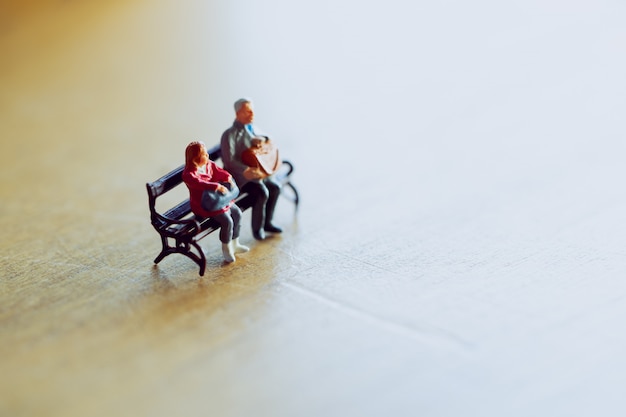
211	194
262	155
256	142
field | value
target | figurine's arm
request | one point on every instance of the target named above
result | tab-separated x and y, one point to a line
221	175
194	182
230	158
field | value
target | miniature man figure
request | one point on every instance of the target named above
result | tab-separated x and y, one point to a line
253	180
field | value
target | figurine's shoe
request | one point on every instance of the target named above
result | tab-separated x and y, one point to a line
227	251
272	229
259	234
238	247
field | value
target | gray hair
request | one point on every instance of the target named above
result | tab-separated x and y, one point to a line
239	103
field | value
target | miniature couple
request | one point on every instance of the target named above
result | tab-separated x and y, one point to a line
212	189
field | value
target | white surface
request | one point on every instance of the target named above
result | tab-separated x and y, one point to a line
502	273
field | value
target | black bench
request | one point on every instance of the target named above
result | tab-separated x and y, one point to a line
180	229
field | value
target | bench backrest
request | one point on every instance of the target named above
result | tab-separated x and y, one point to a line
166	183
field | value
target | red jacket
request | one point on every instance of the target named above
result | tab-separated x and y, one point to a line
197	182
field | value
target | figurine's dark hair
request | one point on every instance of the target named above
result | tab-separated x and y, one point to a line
192	151
239	103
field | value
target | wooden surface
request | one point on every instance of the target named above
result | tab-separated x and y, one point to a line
460	248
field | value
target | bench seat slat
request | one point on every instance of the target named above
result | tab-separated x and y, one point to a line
180	211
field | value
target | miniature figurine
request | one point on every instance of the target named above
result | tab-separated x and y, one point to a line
211	194
262	154
237	140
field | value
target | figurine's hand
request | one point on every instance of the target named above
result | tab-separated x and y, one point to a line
222	189
253	173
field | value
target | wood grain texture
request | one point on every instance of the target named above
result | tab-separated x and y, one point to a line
459	248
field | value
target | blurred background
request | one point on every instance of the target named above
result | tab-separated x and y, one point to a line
459	249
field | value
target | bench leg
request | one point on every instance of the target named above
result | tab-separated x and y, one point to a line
166	250
283	177
184	248
200	260
296	197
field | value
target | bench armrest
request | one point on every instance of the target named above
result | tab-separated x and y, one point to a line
168	222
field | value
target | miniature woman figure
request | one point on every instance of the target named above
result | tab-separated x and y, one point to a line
211	194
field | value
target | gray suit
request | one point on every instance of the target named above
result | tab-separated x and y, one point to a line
235	140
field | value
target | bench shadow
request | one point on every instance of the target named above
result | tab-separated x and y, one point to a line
177	293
